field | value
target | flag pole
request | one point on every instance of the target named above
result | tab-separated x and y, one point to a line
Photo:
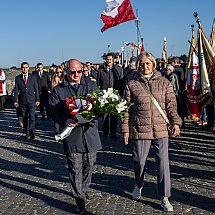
137	22
195	14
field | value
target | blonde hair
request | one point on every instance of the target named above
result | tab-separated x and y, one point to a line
56	78
149	56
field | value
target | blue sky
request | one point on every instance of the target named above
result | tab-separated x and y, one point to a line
51	31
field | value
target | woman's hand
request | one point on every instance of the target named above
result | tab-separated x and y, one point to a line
126	136
176	130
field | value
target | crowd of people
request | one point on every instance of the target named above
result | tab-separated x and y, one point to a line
156	89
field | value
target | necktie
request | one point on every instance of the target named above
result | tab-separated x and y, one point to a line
75	86
25	79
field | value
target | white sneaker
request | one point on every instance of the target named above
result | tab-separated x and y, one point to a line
166	205
136	193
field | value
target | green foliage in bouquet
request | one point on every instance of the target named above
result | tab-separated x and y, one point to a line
105	102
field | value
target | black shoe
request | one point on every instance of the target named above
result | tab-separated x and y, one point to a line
32	137
80	210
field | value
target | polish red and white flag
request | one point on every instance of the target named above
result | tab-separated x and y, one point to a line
117	11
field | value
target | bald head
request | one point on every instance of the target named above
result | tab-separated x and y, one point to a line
74	70
72	63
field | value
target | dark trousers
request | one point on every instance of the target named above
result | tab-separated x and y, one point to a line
44	105
2	103
81	167
19	116
210	113
56	128
140	153
109	124
28	114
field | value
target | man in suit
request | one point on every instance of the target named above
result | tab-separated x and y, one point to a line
44	88
26	95
110	76
91	72
83	143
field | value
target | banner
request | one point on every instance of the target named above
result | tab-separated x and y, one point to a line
198	86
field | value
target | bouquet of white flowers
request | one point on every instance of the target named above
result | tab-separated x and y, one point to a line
99	102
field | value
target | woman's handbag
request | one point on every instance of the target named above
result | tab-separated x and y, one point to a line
169	126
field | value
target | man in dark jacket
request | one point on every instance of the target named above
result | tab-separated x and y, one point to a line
83	143
26	96
44	88
110	76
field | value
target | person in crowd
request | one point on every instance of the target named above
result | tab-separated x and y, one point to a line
83	143
130	71
3	91
110	76
57	78
96	67
161	65
44	88
26	95
175	62
52	70
144	124
92	73
85	71
63	66
210	108
117	60
173	78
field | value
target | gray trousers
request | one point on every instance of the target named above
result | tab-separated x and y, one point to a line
81	167
140	153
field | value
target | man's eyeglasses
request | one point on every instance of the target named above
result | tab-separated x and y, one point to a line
74	72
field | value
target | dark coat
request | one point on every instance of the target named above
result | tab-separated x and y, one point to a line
43	82
113	79
28	94
174	80
84	137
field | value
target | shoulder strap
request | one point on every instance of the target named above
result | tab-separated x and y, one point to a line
156	104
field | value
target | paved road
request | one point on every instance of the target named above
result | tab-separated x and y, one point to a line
34	179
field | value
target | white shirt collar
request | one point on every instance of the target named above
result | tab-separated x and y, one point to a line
24	75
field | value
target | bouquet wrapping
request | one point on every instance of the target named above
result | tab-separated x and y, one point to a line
68	129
